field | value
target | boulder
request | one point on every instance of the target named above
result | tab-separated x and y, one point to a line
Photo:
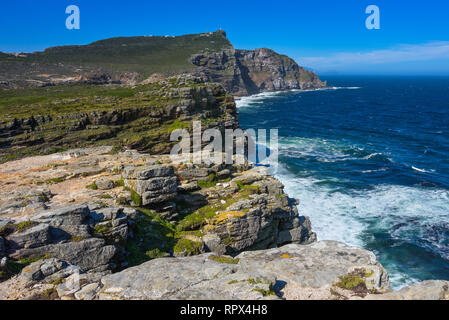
32	238
63	216
42	269
157	185
213	243
104	184
254	223
189	187
89	254
311	271
195	173
154	184
88	292
224	173
147	172
426	290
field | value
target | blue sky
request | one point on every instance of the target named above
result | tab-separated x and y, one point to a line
328	36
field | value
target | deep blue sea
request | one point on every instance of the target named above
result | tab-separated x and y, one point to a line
369	162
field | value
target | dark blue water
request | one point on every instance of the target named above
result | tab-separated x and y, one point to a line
369	161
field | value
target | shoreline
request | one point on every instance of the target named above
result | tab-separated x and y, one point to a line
401	279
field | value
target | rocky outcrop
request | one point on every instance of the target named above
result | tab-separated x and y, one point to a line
426	290
295	272
224	232
77	234
265	70
96	212
247	72
155	184
140	118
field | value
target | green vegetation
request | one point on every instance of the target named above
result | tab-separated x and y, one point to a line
24	226
121	201
14	267
192	221
266	293
92	186
155	253
102	229
136	199
27	261
55	180
188	247
153	236
253	281
241	186
211	182
177	124
56	118
145	55
221	259
76	239
355	281
119	183
57	282
197	219
350	282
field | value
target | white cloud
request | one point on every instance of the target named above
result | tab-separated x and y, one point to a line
342	61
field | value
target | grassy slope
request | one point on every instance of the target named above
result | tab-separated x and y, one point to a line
23	103
146	55
142	120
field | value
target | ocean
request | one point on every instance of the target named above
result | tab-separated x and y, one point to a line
369	161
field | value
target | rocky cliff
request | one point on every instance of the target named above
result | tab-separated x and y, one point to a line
247	72
87	224
47	120
133	60
90	212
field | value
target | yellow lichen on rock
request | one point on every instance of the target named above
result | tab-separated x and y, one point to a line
222	217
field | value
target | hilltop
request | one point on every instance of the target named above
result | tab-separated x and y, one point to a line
133	60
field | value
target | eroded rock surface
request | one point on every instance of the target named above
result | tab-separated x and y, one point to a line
104	212
289	272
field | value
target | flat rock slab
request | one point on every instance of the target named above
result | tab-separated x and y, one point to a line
63	216
426	290
290	271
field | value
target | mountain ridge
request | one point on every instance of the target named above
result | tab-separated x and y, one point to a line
133	60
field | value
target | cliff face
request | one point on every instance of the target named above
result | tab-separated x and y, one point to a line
265	70
246	72
132	60
47	120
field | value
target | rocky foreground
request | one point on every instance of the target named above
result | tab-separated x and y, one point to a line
96	224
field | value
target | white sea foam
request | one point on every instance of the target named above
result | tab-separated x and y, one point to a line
346	216
259	98
404	212
256	99
322	150
422	170
347	88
